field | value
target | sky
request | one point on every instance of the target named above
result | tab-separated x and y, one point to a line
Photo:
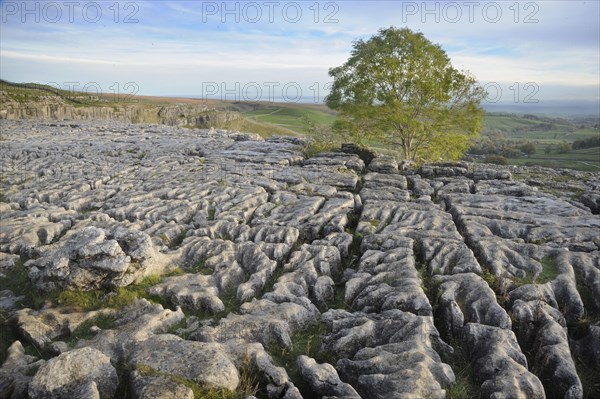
525	52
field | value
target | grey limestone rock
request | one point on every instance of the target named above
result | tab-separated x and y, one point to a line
342	247
466	298
157	387
499	365
205	363
323	379
383	164
80	373
41	327
380	353
15	373
93	258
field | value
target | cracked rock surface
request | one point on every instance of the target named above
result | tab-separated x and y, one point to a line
151	261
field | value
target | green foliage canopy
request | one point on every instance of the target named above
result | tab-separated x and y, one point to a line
400	87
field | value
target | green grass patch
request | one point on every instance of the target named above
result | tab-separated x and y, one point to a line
316	147
264	129
589	380
550	270
592	312
375	223
273	279
182	324
547	134
17	280
306	342
230	302
499	285
541	128
80	300
175	241
211	213
7	335
200	268
465	386
104	322
117	299
489	278
291	116
585	160
339	301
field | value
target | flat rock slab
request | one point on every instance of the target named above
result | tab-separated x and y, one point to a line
82	373
204	363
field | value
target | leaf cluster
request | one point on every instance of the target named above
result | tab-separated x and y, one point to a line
401	88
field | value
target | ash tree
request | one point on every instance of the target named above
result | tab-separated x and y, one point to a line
400	89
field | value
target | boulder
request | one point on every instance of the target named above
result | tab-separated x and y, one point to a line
80	373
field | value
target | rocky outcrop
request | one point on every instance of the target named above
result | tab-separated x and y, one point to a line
46	325
466	298
93	258
281	276
51	107
499	365
81	373
323	379
204	363
387	354
16	372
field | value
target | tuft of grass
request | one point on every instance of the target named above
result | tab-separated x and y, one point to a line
229	299
344	170
306	342
589	380
528	279
105	322
126	295
592	312
318	146
375	223
200	268
489	278
353	219
211	213
32	371
7	335
80	300
121	297
182	324
550	270
249	377
339	301
17	280
465	386
273	279
496	283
